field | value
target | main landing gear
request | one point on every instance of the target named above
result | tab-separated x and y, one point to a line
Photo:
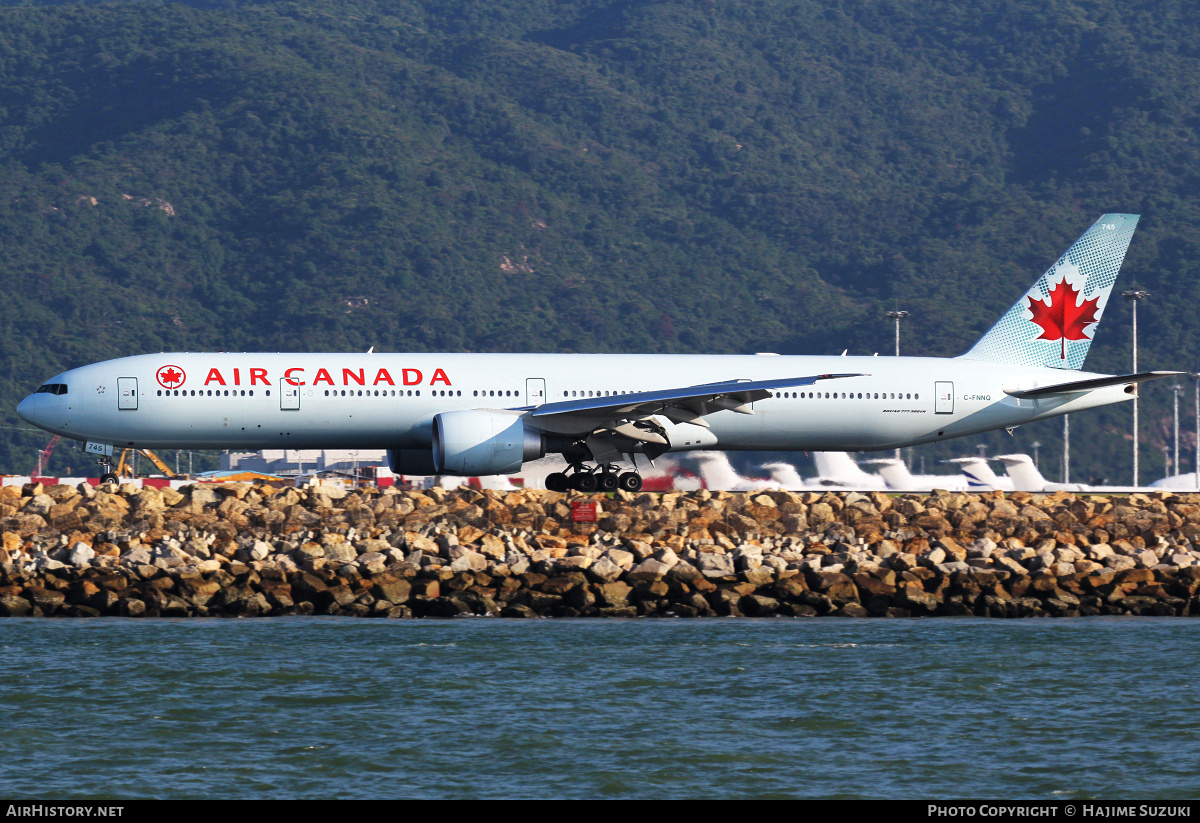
606	478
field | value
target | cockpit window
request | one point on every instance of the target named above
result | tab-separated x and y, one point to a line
52	388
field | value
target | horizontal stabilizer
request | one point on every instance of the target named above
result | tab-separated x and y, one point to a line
1088	385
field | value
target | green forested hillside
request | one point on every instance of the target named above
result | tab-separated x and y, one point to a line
578	175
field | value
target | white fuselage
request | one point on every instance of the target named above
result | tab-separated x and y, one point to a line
259	401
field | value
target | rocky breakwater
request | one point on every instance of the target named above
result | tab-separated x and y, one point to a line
255	550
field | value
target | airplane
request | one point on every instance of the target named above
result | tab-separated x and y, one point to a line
1186	482
719	474
898	478
1026	476
979	475
839	470
784	476
485	414
836	471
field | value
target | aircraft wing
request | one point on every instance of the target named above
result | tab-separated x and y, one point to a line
684	405
1088	385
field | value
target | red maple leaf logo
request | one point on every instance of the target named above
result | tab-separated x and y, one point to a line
170	377
1063	319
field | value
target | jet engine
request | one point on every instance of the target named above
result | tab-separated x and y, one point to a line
475	442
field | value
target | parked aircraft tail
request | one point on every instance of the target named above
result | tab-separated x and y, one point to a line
898	478
1025	475
840	469
785	476
1054	322
979	474
718	473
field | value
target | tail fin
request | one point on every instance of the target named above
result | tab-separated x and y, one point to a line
895	473
839	468
1053	323
785	476
1025	476
979	474
716	471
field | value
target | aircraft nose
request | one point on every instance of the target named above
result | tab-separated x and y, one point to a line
34	409
25	410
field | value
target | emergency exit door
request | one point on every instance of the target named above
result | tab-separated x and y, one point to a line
535	391
289	396
127	393
943	398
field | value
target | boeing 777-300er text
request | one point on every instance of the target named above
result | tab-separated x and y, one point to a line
483	414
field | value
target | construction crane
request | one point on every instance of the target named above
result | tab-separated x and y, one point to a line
44	457
125	463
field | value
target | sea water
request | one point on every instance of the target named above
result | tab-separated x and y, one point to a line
328	707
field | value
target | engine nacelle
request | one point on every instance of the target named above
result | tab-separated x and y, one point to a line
417	462
475	442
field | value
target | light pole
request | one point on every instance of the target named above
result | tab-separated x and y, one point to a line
1176	390
1196	456
1066	448
1133	296
897	316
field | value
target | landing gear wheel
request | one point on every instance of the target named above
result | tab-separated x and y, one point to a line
109	478
585	482
609	482
630	482
557	482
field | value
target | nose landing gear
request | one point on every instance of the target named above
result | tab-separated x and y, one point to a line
108	475
589	479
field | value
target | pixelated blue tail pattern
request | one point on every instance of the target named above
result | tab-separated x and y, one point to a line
1089	269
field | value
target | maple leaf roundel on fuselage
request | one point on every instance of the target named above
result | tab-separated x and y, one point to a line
170	377
1067	315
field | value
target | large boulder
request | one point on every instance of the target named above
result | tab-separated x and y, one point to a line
81	555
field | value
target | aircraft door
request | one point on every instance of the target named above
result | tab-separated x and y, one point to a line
127	397
943	398
535	391
289	396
